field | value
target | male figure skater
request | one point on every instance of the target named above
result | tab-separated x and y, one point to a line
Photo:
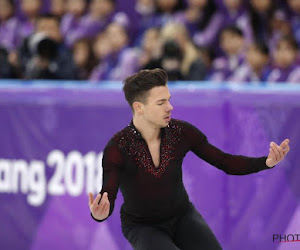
144	160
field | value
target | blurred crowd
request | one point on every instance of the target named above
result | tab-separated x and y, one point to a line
217	40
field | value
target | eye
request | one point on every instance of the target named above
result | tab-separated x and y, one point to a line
160	104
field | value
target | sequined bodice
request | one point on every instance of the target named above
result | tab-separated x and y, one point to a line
155	193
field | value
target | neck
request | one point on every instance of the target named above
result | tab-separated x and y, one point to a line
148	131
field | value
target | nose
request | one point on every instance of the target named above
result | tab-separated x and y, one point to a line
170	107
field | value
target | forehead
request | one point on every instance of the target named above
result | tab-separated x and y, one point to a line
47	22
158	93
284	45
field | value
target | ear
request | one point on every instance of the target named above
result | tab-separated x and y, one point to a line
137	107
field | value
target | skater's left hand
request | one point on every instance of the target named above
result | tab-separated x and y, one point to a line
277	153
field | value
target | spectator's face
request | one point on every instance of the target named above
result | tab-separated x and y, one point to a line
102	8
31	7
151	40
231	44
81	53
261	5
149	3
279	23
102	46
197	3
50	27
232	4
58	7
166	5
294	5
76	7
284	55
117	36
6	10
255	58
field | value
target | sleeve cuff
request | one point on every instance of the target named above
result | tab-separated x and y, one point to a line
265	165
97	219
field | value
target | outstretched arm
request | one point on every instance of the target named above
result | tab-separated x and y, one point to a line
232	164
103	205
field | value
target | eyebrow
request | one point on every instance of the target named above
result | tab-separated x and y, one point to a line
163	100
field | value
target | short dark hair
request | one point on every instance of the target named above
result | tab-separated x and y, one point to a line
261	47
233	29
290	40
48	16
137	86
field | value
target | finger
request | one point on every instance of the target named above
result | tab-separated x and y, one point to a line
104	199
280	150
105	208
286	150
274	154
91	198
95	202
273	145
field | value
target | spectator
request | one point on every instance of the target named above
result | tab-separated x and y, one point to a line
280	26
140	17
150	49
31	9
164	12
88	26
83	57
122	61
261	12
207	56
75	10
5	68
9	25
101	47
43	55
285	67
58	7
232	43
170	60
294	6
197	16
252	70
192	68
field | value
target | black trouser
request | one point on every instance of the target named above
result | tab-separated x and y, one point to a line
187	232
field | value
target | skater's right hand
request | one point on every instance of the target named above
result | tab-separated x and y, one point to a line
99	211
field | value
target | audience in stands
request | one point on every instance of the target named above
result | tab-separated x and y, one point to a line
110	39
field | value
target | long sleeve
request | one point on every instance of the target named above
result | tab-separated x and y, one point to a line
230	164
112	164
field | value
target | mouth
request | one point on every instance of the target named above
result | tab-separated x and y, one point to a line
167	118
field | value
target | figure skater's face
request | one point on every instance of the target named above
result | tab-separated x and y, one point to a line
157	108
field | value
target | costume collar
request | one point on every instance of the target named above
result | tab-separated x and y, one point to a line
138	134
